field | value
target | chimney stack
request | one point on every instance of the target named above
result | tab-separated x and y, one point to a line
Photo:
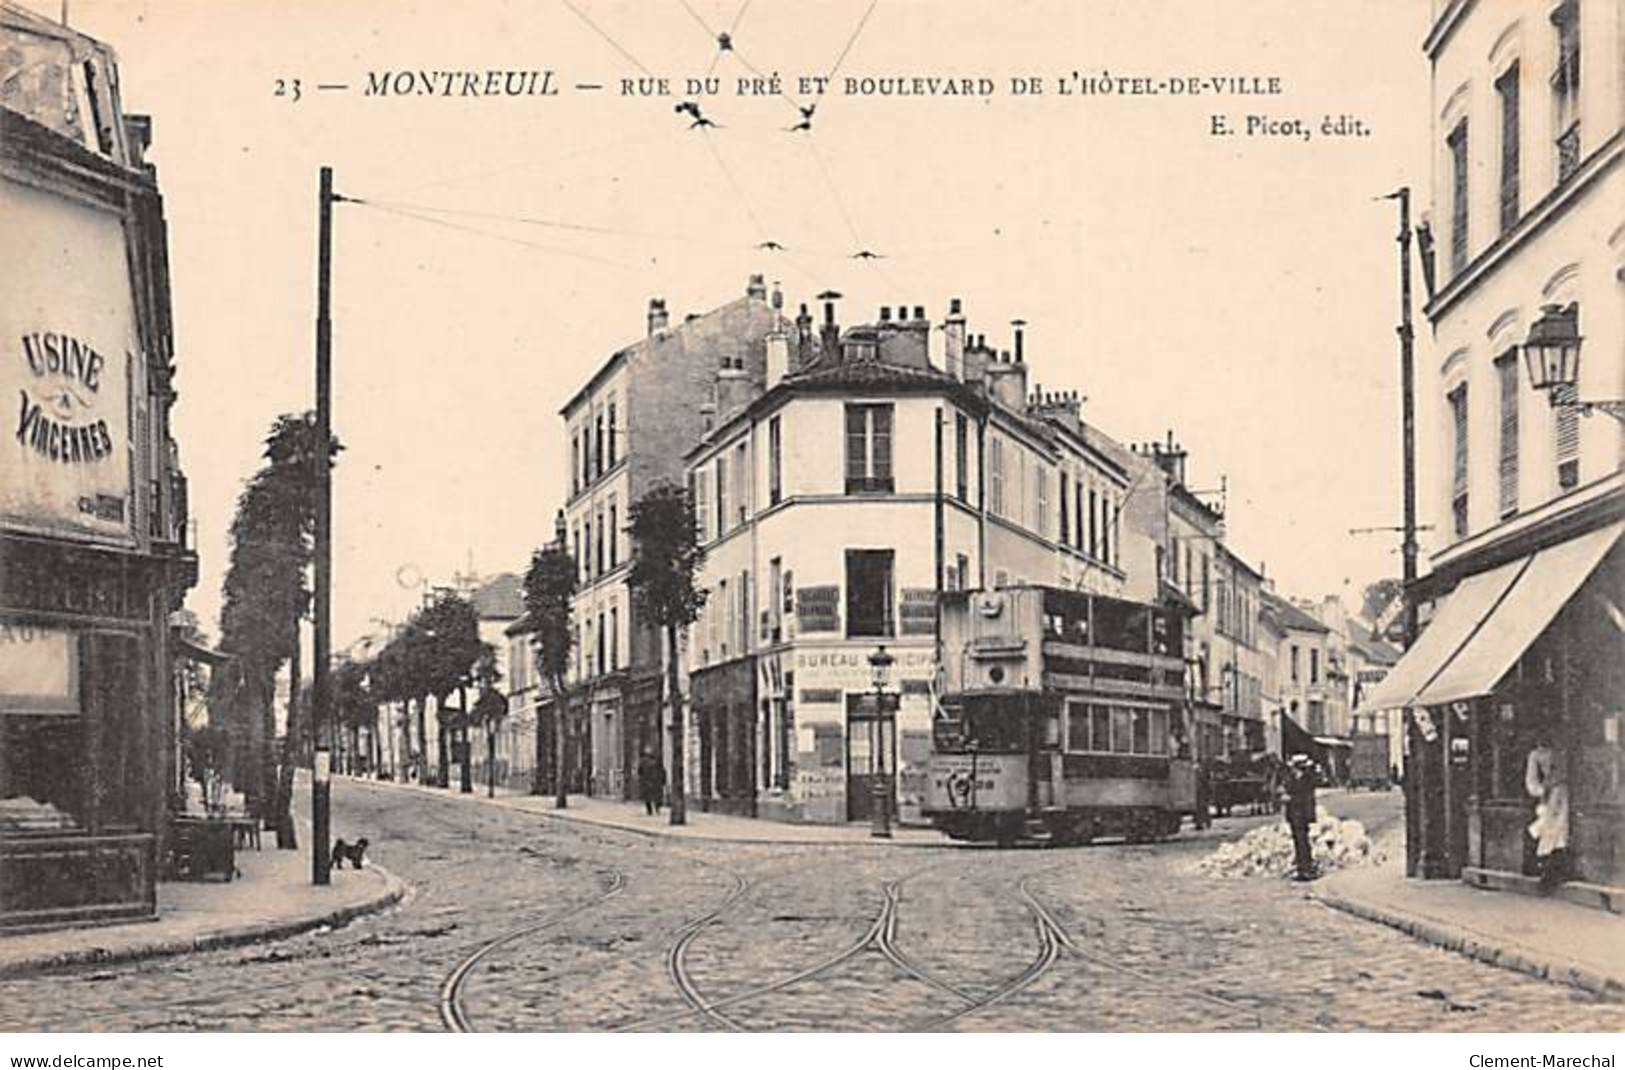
953	340
777	299
803	336
830	335
1019	326
757	288
657	314
1007	381
885	313
778	355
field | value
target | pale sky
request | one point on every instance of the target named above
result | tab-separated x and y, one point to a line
1239	291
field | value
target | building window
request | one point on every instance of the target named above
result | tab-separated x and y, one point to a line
598	444
1294	662
961	457
699	491
614	638
575	463
962	573
1506	87
722	496
726	612
586	549
1043	503
1314	666
1117	535
611	442
1566	88
1506	370
775	462
603	643
598	556
1061	511
868	448
775	605
869	593
1566	425
744	611
1094	529
741	485
1207	587
614	535
1458	479
995	476
1457	144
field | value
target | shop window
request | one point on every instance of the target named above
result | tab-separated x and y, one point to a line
829	745
869	595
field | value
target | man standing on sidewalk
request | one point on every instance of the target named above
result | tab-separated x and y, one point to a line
1300	813
651	782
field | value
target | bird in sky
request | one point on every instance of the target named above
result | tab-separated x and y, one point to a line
725	42
688	106
702	121
864	254
770	245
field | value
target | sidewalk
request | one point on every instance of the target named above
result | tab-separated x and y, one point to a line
1548	938
629	817
273	898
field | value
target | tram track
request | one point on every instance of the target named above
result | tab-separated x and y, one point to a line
452	1012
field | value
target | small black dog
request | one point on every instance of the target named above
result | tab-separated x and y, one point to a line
352	851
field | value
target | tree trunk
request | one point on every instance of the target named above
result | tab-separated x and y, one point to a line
423	736
541	755
490	763
679	798
467	749
561	721
443	770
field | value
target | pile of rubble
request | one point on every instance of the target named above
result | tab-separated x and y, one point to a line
1267	851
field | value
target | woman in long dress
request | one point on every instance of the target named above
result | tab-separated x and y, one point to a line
1545	781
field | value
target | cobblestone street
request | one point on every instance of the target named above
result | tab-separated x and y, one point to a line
519	922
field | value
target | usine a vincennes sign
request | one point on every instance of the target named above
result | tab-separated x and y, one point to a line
66	339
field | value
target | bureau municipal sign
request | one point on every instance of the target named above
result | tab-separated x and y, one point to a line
66	358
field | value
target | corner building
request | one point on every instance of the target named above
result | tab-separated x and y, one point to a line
880	467
92	502
1521	635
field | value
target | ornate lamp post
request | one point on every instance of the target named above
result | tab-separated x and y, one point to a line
1552	353
880	769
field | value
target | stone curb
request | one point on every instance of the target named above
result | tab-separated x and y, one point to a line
1486	949
664	831
394	890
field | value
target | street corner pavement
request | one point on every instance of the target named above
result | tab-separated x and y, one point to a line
273	897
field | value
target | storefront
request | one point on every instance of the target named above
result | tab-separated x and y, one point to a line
92	507
724	704
1522	653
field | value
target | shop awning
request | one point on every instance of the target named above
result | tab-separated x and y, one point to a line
1464	610
198	652
1541	591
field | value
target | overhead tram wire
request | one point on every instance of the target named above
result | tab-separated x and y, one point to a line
551	249
601	32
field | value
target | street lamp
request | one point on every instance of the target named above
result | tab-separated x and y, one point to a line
1552	353
880	666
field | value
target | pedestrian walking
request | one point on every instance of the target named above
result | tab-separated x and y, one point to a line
1545	781
1298	784
651	782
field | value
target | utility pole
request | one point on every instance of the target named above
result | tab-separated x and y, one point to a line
321	788
1418	779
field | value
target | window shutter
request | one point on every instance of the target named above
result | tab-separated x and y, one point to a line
1507	370
1458	413
857	445
880	433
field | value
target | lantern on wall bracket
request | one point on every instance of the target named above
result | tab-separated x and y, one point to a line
1552	353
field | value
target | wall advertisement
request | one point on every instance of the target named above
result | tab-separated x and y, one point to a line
67	345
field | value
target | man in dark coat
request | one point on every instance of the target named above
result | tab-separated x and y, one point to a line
1299	786
651	782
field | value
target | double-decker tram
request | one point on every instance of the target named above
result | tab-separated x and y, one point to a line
1063	718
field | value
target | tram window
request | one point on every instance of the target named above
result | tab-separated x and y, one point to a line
1142	731
1159	731
1100	725
1122	730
